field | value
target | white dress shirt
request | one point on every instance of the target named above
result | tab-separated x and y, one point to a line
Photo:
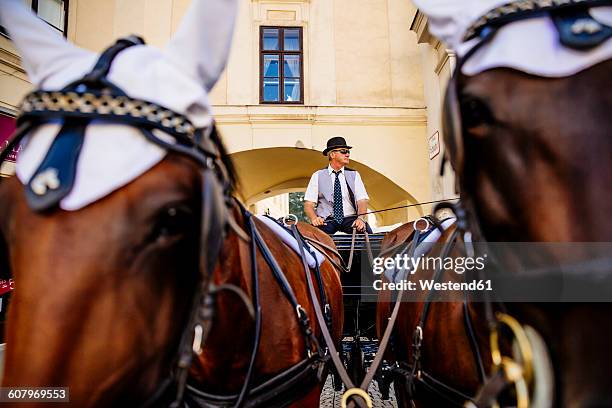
312	191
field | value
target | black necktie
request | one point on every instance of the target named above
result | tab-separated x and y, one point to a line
338	210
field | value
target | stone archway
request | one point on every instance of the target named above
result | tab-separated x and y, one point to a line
268	172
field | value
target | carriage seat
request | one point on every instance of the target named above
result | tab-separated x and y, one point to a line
426	242
286	236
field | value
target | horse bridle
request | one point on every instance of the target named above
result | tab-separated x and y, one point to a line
564	14
94	97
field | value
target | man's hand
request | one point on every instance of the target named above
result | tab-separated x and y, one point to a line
359	224
317	221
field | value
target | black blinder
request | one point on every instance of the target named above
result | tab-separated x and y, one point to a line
214	219
578	30
54	178
452	129
452	125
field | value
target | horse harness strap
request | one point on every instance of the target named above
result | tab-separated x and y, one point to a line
404	244
519	10
333	352
390	324
507	372
352	251
310	339
489	392
327	309
340	266
287	385
277	391
428	383
413	375
361	391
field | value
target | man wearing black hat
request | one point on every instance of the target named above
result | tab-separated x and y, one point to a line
338	193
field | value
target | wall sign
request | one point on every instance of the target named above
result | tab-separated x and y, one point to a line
434	145
7	128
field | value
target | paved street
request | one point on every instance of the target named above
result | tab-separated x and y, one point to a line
331	399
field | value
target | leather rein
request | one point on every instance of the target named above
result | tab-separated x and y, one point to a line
292	382
355	395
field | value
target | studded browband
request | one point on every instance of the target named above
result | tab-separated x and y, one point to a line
520	9
101	106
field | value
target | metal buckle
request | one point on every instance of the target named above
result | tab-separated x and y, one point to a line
522	340
417	341
469	244
415	224
521	375
358	392
290	217
418	336
299	309
197	339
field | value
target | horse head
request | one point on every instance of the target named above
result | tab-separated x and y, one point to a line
534	154
528	134
104	291
112	299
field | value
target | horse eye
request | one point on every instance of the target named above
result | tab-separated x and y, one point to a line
475	113
173	222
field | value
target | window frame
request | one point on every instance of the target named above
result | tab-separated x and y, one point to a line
281	54
35	10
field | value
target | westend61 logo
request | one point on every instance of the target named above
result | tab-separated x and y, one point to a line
398	268
406	263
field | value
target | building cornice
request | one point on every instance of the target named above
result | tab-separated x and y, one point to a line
419	26
11	60
280	1
448	56
319	115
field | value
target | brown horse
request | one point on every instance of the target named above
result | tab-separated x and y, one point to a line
544	161
221	367
533	160
526	175
103	294
117	298
450	354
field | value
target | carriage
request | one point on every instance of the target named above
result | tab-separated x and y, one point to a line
359	337
541	139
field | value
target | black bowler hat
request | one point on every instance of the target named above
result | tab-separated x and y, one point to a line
337	142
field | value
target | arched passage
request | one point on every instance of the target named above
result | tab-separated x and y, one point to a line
267	172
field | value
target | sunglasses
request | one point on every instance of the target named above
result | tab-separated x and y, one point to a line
343	151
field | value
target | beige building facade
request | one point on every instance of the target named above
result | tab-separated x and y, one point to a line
369	72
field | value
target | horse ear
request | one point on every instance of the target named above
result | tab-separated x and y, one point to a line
452	128
43	51
201	44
